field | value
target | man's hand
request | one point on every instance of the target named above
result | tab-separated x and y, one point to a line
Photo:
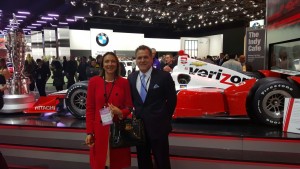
167	69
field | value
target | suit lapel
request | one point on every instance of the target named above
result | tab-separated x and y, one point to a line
135	91
152	83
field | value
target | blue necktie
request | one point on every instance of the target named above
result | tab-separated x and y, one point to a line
143	92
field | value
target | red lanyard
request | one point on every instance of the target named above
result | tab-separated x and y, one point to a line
105	94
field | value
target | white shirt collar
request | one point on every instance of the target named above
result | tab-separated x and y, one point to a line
148	73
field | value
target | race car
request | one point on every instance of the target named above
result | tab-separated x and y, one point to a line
207	90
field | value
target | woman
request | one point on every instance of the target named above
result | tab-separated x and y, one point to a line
42	74
3	69
29	67
4	75
113	92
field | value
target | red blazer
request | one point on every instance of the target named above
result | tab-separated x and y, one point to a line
120	97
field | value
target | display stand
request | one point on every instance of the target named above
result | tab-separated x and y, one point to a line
291	118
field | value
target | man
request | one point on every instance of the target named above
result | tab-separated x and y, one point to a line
232	64
169	63
156	63
245	66
81	70
154	99
71	70
221	60
296	55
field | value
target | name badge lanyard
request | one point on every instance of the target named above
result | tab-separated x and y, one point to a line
145	87
105	94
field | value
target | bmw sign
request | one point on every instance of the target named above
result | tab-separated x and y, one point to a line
102	39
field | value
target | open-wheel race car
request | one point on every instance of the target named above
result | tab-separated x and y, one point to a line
207	90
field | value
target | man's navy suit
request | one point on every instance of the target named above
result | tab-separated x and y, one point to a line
156	113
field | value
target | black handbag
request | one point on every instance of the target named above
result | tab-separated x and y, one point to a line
127	132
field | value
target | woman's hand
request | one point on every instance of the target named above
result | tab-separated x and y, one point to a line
90	140
115	111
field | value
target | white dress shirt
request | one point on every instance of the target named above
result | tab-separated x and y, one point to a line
147	80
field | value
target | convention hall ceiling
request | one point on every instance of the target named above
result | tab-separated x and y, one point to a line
176	15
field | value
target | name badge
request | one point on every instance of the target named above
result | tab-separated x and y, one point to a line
106	116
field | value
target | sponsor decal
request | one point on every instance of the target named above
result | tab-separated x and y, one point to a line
198	63
50	108
183	60
183	86
218	75
102	39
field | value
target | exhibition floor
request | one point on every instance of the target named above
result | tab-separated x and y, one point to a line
55	141
224	127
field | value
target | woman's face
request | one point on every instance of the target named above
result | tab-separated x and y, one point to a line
110	64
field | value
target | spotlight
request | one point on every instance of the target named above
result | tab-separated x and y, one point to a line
73	3
91	12
84	3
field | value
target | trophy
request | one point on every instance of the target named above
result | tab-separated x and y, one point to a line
18	96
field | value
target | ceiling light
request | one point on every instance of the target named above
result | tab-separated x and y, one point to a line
55	15
41	21
78	17
73	3
32	27
46	18
36	24
23	12
20	16
70	20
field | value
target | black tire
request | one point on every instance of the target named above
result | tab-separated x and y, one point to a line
265	102
128	73
183	79
76	99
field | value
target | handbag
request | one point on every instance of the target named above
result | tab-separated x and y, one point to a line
127	132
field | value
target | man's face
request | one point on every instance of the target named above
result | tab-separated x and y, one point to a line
153	53
242	59
144	60
168	59
222	55
93	63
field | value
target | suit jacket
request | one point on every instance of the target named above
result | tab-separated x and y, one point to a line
220	62
159	105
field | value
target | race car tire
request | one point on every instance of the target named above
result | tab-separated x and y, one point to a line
251	95
183	79
76	99
254	74
266	104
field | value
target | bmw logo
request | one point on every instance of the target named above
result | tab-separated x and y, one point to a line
102	39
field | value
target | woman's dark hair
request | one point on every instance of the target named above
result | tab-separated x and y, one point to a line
56	64
3	62
102	72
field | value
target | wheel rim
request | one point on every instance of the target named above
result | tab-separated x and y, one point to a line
273	103
78	103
